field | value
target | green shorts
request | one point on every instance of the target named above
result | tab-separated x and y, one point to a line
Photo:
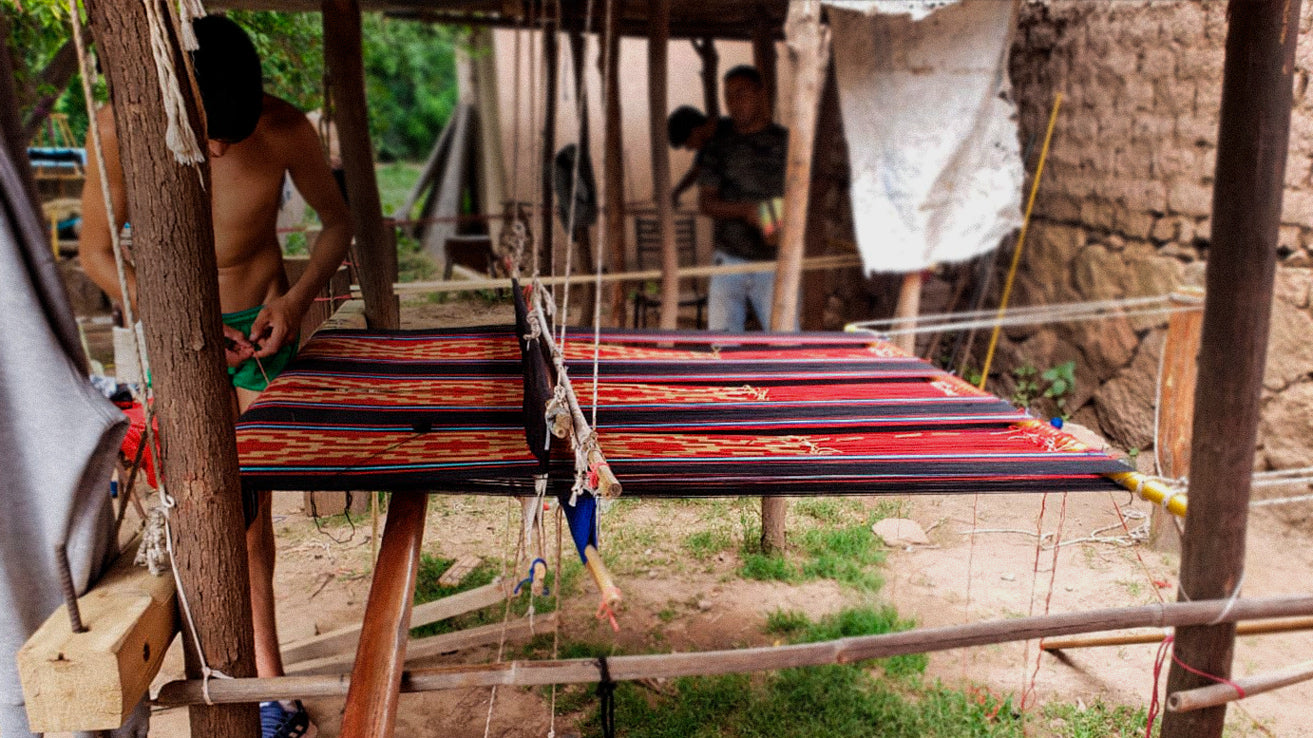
255	374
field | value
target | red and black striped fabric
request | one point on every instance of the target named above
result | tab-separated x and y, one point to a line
677	414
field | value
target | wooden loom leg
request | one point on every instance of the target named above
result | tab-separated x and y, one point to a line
371	703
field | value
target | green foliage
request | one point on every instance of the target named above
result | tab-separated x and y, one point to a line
410	68
768	568
1056	383
410	81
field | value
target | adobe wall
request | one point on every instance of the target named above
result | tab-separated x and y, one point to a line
1124	204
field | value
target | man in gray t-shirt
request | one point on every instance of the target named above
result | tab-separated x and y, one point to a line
742	172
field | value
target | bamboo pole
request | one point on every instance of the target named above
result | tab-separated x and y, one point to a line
1219	694
178	298
371	702
375	252
1252	139
1261	627
841	261
840	651
613	172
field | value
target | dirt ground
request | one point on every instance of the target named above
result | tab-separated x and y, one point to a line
983	562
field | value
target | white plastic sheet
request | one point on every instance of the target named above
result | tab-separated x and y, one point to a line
931	128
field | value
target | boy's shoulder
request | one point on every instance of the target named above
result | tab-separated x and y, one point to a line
282	116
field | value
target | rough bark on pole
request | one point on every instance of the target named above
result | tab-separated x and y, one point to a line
375	251
1251	159
551	68
809	53
1176	408
178	300
658	46
706	49
613	173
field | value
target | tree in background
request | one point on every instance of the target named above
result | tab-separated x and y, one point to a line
410	68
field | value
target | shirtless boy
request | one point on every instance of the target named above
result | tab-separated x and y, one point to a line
253	140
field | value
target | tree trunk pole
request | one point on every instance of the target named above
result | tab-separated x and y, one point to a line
178	298
658	46
375	251
15	137
586	263
809	54
613	165
1251	157
551	63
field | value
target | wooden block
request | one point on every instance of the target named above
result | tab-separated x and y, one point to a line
459	569
92	681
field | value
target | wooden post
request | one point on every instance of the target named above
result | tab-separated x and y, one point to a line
178	299
706	49
909	306
371	701
492	165
375	252
1247	191
809	54
1176	407
831	153
585	264
763	53
547	235
613	172
658	44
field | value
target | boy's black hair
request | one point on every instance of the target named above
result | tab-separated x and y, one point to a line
229	76
681	123
745	71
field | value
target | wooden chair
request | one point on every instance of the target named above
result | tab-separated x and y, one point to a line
647	242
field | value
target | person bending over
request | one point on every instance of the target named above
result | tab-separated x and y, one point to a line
253	140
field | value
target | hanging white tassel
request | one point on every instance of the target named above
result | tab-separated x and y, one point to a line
179	136
154	550
189	11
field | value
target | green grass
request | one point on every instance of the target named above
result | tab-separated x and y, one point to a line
848	555
705	544
833	701
427	589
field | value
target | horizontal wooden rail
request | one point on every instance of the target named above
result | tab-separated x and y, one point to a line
843	650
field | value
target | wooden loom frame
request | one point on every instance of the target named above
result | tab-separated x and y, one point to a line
1250	165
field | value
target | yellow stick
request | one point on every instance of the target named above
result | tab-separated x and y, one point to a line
1152	490
1021	241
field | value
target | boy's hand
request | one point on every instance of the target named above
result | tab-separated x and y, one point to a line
276	324
236	348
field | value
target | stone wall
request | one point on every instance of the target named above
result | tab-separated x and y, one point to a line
1124	204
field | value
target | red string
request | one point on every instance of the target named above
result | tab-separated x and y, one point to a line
1164	649
333	298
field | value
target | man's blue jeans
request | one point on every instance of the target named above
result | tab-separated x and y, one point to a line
729	295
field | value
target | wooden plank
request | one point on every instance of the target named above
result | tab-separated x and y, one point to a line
437	160
93	680
341	639
423	648
371	702
1176	409
459	569
350	315
447	196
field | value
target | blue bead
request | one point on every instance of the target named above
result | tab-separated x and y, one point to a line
1056	422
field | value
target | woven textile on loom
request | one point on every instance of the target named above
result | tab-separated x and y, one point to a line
678	414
